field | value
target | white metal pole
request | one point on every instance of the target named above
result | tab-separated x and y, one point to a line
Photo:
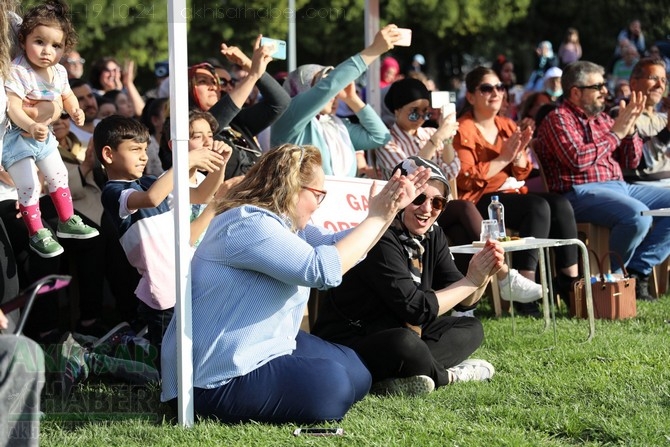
292	38
371	27
177	16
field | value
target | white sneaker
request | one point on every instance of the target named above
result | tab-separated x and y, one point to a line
523	289
404	386
471	369
467	313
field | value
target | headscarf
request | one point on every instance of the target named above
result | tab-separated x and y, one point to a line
204	68
405	91
386	64
304	77
411	164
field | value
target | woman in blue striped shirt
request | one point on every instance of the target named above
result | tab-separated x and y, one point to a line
251	279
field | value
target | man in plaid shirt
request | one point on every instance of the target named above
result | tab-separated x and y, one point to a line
583	150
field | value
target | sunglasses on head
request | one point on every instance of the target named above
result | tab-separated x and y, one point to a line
487	89
437	203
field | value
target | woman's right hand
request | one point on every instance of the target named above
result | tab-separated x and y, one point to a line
398	192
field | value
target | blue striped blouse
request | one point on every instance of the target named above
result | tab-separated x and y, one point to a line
251	277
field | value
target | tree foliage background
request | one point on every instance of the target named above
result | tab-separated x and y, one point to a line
451	34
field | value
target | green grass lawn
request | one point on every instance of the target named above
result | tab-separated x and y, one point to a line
614	390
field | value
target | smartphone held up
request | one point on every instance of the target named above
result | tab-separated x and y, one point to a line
405	37
279	51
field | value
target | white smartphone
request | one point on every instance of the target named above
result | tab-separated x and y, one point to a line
279	47
445	101
405	37
319	431
439	99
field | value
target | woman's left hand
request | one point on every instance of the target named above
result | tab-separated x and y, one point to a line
486	263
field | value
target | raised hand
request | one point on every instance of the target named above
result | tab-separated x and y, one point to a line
448	127
128	73
624	124
220	147
261	57
236	56
205	160
398	192
383	41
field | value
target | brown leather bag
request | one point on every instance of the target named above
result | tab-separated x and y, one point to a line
612	300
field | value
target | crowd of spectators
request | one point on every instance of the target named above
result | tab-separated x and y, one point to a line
259	149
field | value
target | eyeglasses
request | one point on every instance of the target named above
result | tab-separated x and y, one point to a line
597	87
415	115
226	82
318	193
654	78
487	89
111	70
70	60
437	203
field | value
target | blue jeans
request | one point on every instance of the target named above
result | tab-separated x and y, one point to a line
617	205
319	381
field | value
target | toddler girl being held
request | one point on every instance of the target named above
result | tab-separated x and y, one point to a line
37	91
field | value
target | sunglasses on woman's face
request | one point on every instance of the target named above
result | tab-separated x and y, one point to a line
226	82
487	89
416	115
437	203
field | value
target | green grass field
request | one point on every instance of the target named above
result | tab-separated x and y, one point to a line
614	390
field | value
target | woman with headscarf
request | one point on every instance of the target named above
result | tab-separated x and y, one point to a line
391	308
310	117
461	221
237	125
389	71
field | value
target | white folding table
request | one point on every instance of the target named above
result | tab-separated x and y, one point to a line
544	245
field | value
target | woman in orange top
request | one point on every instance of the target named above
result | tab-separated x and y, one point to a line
494	160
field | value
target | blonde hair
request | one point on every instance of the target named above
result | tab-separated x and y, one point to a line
275	181
8	42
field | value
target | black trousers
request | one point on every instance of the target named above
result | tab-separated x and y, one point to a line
400	352
461	222
539	215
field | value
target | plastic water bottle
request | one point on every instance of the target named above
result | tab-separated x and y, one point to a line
497	212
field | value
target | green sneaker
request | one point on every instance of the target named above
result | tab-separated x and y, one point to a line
74	228
44	244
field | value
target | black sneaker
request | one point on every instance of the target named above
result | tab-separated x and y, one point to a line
641	286
528	309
